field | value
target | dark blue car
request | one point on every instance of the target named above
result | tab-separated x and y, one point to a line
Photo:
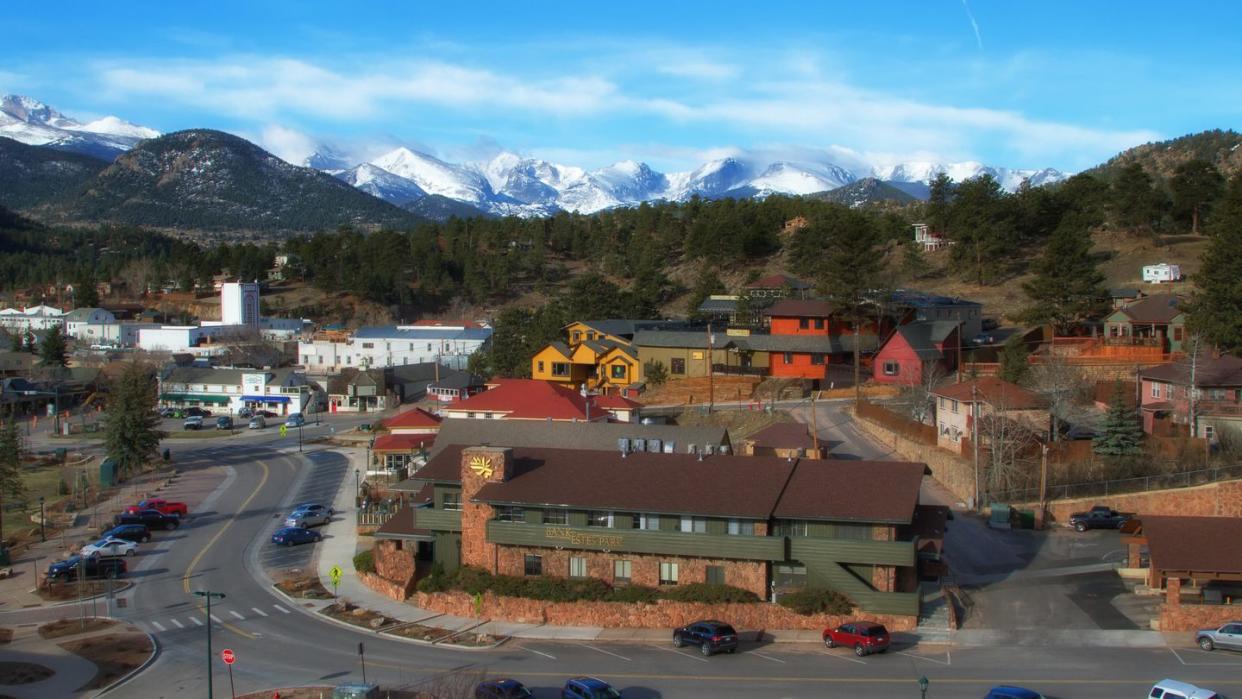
288	536
501	689
1007	692
588	688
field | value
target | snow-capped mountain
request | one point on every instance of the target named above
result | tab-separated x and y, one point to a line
34	123
800	178
383	184
923	172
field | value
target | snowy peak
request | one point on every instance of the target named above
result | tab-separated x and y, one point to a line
434	176
800	178
382	184
114	126
31	111
34	123
923	172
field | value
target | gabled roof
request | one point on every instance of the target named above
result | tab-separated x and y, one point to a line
783	435
862	491
594	436
561	348
1157	308
924	335
674	338
800	308
458	380
1225	370
78	315
1124	293
779	281
1204	544
403	442
528	399
614	401
624	327
998	393
413	418
718	305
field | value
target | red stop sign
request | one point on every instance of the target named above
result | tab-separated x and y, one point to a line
227	656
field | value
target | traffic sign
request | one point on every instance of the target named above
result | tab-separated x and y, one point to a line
284	430
335	574
227	656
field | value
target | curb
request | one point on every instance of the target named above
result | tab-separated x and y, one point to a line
155	653
55	605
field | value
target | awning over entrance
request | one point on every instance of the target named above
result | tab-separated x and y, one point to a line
266	399
200	397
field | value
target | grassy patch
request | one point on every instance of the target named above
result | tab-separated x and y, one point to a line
114	655
74	627
41	479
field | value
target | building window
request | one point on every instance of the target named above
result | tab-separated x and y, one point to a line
788	357
1217	393
804	323
645	521
599	519
577	567
715	575
533	565
677	365
668	573
891	368
509	513
693	525
452	501
817	358
577	336
953	406
1209	433
541	366
1155	390
791	527
590	336
788	576
560	369
819	323
620	572
618	371
741	527
368	345
553	516
1177	333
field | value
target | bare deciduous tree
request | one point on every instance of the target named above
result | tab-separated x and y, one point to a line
919	398
1065	389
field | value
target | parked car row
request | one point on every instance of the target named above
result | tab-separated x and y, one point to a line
297	526
575	688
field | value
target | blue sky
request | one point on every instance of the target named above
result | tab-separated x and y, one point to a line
1051	84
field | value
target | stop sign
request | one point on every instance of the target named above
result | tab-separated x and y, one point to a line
227	656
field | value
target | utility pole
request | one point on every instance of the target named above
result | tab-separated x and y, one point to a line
1043	484
711	387
974	439
208	595
814	428
1192	391
959	351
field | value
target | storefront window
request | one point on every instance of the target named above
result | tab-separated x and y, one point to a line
533	565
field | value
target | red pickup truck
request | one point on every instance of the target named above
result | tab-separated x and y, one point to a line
166	506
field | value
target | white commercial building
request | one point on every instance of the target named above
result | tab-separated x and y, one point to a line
239	303
239	320
385	346
282	391
34	318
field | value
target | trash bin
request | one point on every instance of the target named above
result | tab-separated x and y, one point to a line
4	555
1026	519
1000	516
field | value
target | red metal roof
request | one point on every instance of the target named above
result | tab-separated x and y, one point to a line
403	442
529	399
413	418
615	402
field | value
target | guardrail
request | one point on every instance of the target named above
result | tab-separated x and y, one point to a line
374	518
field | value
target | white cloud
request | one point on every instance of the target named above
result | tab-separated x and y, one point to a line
288	144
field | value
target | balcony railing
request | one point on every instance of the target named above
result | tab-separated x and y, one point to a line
439	520
758	548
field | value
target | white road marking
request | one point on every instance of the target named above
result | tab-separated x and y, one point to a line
538	652
281	609
607	652
947	661
1197	664
684	655
239	616
158	626
216	619
177	623
258	611
196	621
844	657
761	655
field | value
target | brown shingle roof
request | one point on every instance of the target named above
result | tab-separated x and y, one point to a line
1157	308
401	526
1206	544
1219	371
865	491
998	393
783	435
800	308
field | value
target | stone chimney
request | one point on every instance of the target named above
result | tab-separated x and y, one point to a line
480	466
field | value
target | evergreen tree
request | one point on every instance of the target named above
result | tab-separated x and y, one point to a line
1195	186
706	283
16	342
11	485
913	261
939	193
849	275
1120	434
85	291
1134	200
983	229
52	350
1014	366
1216	308
31	344
1067	287
132	427
655	373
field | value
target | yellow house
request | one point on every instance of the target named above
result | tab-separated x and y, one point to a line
555	363
619	332
619	367
598	353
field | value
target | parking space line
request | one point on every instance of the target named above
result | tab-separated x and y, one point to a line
158	626
538	652
607	652
844	657
761	655
1197	664
258	611
177	623
684	655
216	619
239	616
947	661
280	608
196	621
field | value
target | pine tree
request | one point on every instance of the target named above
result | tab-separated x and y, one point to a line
132	427
1216	308
16	342
52	350
849	275
982	228
913	261
1134	200
1195	186
31	344
1014	366
85	291
939	192
11	484
1067	287
1120	434
705	284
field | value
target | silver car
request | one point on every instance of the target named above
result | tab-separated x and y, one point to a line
306	520
1228	636
257	422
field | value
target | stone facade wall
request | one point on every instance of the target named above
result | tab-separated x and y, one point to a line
475	549
1192	617
951	471
394	569
388	588
644	568
660	615
1221	499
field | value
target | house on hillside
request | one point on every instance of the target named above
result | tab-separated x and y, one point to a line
929	240
959	405
1154	321
778	286
910	305
1164	395
1123	297
914	349
598	354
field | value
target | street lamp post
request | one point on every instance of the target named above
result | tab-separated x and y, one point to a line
923	686
42	516
357	488
208	595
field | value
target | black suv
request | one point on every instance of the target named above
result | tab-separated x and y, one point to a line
94	568
710	636
152	519
137	533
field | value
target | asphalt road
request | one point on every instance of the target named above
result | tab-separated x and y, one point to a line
223	547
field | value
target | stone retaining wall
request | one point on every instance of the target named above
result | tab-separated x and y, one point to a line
951	471
1192	617
1220	499
384	586
662	614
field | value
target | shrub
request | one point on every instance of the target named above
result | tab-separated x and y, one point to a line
708	593
816	601
364	561
634	593
436	581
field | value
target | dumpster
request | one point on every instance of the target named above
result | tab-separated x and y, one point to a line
1000	518
108	472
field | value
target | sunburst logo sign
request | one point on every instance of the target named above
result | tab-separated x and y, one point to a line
482	466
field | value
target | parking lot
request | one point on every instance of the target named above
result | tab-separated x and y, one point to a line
321	483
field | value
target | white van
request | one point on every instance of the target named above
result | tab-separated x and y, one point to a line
1172	689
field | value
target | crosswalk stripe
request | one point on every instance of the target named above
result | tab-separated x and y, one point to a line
216	619
280	608
258	611
239	616
196	621
177	623
158	626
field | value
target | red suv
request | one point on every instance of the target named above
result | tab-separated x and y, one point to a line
864	637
